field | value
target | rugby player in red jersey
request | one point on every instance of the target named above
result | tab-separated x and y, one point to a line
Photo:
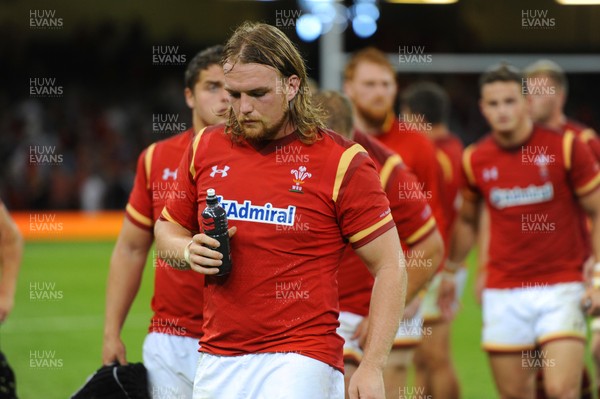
547	87
270	325
534	182
420	239
170	348
426	104
370	84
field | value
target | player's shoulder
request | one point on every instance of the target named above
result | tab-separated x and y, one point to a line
575	126
376	150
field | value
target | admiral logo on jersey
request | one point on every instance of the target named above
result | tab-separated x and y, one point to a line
503	198
257	213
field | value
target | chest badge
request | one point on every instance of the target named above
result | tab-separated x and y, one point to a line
300	175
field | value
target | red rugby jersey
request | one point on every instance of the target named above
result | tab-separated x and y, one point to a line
411	213
177	299
586	134
418	153
449	154
296	207
531	192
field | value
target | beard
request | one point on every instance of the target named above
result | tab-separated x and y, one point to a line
260	132
374	116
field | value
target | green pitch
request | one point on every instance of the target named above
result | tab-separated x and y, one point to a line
53	338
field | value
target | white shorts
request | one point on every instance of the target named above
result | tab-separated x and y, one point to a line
522	318
171	363
431	310
266	376
408	335
595	325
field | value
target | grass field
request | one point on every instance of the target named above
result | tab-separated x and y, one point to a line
53	338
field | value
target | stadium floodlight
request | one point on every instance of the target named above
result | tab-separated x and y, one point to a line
309	27
364	26
578	2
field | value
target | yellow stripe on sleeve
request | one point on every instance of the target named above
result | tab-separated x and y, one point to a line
467	164
589	187
568	139
194	148
445	163
587	135
343	165
148	163
167	216
417	235
387	169
138	216
362	234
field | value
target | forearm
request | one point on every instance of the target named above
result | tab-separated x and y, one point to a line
12	253
386	309
463	239
171	242
124	279
595	236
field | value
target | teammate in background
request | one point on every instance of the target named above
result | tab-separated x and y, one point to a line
370	84
292	223
11	252
419	236
170	349
532	299
428	105
547	88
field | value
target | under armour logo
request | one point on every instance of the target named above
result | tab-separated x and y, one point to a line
490	174
215	170
167	173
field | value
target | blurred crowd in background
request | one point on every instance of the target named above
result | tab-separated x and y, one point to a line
111	94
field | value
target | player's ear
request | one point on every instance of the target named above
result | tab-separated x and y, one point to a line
293	85
189	98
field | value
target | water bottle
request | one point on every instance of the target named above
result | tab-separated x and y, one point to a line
214	224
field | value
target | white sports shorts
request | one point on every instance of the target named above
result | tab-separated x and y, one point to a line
171	363
266	376
431	310
522	318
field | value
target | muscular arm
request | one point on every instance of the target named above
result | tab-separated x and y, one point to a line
124	277
11	252
591	205
384	259
465	231
422	260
